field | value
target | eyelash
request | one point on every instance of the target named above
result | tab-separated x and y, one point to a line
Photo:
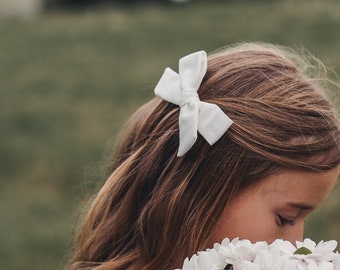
285	221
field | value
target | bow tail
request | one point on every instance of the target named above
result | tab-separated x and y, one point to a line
213	122
188	126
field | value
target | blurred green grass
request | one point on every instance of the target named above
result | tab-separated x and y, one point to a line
68	81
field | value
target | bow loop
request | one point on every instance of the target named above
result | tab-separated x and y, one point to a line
181	89
192	69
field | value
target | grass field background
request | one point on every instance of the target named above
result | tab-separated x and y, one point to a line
68	81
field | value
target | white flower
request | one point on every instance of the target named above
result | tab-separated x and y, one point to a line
323	251
205	260
336	263
285	247
279	255
270	259
239	250
245	265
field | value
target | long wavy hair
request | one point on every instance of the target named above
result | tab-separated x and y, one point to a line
155	208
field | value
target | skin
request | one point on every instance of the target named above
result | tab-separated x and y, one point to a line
276	207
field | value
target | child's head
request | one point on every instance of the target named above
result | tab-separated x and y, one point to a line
156	208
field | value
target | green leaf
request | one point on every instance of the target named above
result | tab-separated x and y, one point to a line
303	251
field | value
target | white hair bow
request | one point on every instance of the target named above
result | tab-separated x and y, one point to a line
181	89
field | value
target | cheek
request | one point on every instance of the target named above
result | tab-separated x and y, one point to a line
254	226
250	220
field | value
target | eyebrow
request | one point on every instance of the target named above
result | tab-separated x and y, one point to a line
301	206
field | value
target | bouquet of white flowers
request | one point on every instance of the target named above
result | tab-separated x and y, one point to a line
279	255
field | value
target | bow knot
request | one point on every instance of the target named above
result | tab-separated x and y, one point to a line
181	89
189	96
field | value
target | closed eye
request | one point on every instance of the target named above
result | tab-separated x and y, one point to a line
282	221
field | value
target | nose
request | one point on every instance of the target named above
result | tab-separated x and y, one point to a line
295	233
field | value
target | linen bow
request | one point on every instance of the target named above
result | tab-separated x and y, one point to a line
181	89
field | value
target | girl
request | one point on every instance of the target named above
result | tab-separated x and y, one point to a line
242	144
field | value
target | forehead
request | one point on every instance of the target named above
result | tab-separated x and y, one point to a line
298	186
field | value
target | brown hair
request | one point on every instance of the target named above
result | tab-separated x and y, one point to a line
156	208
